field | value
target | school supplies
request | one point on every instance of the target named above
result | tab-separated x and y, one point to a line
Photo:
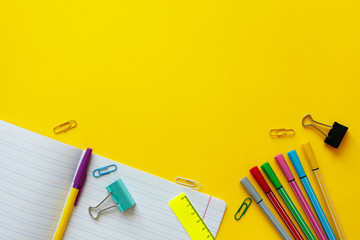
247	202
255	172
36	177
315	168
266	210
65	127
104	170
289	203
188	183
73	195
119	194
301	198
190	218
334	136
311	194
281	132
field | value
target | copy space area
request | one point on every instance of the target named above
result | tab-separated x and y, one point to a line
191	88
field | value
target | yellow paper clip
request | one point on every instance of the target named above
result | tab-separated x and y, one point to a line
65	127
188	183
282	132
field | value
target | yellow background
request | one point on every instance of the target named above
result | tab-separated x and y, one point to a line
191	88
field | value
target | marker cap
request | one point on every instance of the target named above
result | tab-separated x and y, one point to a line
250	189
271	175
255	172
310	155
296	163
284	167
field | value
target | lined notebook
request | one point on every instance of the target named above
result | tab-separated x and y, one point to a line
36	174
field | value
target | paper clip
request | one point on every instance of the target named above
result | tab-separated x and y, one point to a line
188	183
65	126
119	194
334	136
99	172
246	208
281	132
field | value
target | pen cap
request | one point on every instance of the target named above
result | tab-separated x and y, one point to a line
250	189
310	155
82	170
284	167
255	172
296	163
271	175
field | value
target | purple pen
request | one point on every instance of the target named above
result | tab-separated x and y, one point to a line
74	194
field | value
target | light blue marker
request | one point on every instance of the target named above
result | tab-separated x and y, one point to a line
311	194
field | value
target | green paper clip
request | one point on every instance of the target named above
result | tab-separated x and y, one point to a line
246	208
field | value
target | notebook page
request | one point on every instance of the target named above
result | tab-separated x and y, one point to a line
150	218
35	176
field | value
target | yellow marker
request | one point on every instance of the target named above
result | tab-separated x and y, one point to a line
189	218
315	168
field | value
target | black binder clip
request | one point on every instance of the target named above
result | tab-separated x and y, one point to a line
334	136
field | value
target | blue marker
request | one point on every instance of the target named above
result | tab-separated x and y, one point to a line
311	194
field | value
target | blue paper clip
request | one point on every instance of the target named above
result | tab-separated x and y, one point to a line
101	171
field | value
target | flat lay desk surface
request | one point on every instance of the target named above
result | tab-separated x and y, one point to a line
192	88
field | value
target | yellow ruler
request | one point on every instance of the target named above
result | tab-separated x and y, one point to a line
189	218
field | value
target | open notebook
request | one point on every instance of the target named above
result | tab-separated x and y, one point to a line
36	175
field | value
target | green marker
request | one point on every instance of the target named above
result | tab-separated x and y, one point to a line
289	203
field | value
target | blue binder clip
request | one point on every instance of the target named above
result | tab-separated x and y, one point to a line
120	195
101	171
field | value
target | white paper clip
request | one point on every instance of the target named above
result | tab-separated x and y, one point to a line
188	183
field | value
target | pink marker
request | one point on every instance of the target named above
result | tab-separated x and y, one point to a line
295	187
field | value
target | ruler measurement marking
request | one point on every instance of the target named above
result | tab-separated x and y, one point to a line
190	218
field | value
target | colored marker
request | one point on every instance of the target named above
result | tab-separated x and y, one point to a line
300	196
311	194
289	203
315	168
259	201
275	202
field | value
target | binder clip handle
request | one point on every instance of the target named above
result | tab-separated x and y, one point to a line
312	125
91	209
335	135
